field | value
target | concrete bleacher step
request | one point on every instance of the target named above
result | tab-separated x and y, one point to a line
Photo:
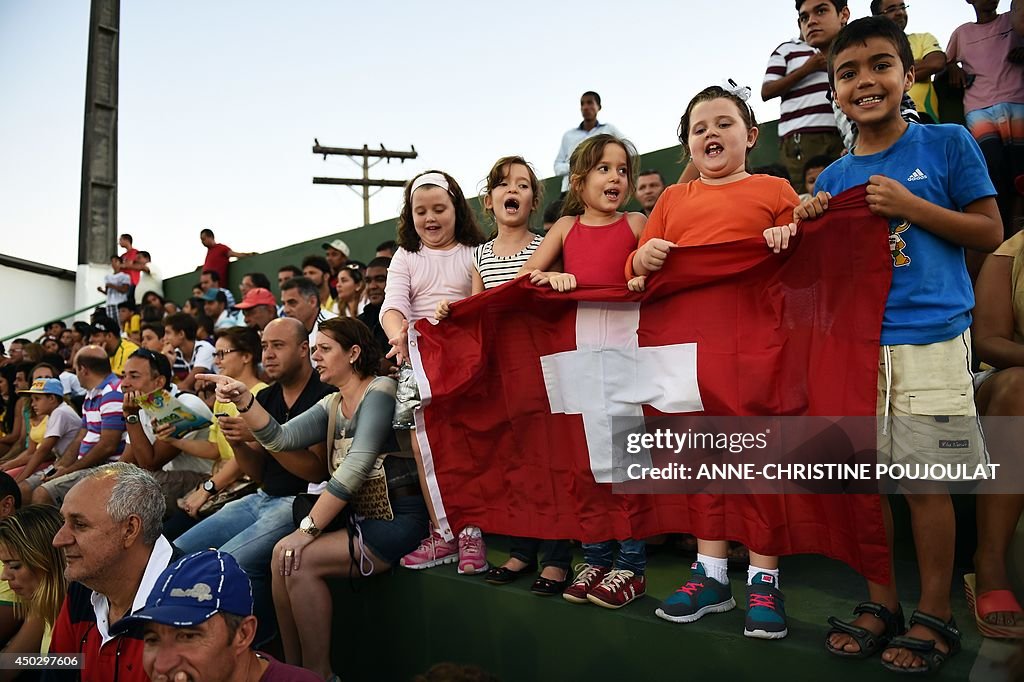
397	625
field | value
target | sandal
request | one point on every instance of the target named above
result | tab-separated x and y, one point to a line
499	575
925	648
990	602
869	643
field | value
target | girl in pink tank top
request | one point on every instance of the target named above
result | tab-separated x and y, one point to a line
593	238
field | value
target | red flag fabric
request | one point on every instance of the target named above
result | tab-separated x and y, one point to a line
519	383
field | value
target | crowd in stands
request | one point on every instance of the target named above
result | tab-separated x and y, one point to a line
297	462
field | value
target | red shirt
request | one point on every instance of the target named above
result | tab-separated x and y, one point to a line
217	257
129	256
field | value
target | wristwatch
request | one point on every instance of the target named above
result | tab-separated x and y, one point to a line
308	526
132	419
209	487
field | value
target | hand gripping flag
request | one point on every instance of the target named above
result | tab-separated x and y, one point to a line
521	383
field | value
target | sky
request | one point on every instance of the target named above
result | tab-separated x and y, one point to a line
220	102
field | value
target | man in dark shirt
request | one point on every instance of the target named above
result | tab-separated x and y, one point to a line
249	528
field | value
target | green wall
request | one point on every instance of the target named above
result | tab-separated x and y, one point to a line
363	240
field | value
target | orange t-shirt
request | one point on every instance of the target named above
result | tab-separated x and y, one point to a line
695	213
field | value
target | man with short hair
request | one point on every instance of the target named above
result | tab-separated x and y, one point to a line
301	300
100	439
177	464
128	261
115	287
62	426
107	334
929	59
375	281
215	305
258	308
337	253
249	528
649	186
207	598
590	104
219	255
386	249
317	270
148	277
115	552
285	273
180	335
209	279
252	280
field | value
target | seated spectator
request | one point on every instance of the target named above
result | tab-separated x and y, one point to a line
16	420
249	527
196	355
34	570
115	553
106	333
286	272
253	280
205	328
152	336
376	280
649	186
131	321
258	308
67	340
301	299
345	357
154	299
177	464
210	279
188	638
50	344
115	287
386	249
316	270
101	437
929	59
11	617
350	290
59	430
193	306
215	306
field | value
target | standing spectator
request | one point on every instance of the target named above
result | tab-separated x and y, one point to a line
590	104
219	255
209	279
376	280
187	638
107	334
115	552
149	279
301	300
386	249
649	186
197	355
115	287
986	58
215	306
129	260
102	436
317	270
796	73
929	59
258	308
336	252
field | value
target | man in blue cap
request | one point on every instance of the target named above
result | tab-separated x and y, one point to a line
207	597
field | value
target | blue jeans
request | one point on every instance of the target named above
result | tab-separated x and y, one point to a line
632	555
247	529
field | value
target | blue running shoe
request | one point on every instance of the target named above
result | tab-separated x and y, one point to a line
699	596
766	609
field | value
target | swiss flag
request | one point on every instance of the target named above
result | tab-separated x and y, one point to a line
520	382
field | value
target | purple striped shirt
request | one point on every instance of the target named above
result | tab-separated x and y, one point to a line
103	410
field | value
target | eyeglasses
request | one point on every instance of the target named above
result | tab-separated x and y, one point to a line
896	8
219	354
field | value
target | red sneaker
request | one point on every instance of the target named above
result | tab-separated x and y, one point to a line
618	588
587	578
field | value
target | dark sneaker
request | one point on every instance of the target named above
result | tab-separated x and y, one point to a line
699	596
587	578
618	588
766	609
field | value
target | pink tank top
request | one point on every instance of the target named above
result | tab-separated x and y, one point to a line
597	255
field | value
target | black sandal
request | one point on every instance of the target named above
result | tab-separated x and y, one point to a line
869	643
499	575
925	648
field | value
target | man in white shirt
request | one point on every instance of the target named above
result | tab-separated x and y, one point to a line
301	299
590	104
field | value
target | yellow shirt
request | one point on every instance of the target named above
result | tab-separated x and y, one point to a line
923	93
133	325
38	431
223	447
121	355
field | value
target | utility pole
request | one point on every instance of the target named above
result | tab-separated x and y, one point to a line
366	183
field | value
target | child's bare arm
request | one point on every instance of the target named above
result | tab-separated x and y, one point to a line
550	249
978	227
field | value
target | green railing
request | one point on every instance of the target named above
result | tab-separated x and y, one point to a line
48	320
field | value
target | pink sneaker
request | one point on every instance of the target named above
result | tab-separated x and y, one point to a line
434	550
472	552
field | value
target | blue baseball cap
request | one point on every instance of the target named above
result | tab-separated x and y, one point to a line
45	387
191	590
211	294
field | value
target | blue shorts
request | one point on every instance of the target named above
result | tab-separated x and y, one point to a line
392	540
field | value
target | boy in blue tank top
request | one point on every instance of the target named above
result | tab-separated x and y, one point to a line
931	182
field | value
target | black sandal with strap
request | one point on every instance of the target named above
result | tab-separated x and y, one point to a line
925	648
869	643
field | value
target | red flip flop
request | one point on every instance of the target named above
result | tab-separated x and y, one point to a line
994	601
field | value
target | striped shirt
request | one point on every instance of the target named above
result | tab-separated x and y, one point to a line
805	107
496	270
102	411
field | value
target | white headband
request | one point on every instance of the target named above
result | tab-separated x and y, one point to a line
430	179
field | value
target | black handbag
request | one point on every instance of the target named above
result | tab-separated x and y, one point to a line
303	505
